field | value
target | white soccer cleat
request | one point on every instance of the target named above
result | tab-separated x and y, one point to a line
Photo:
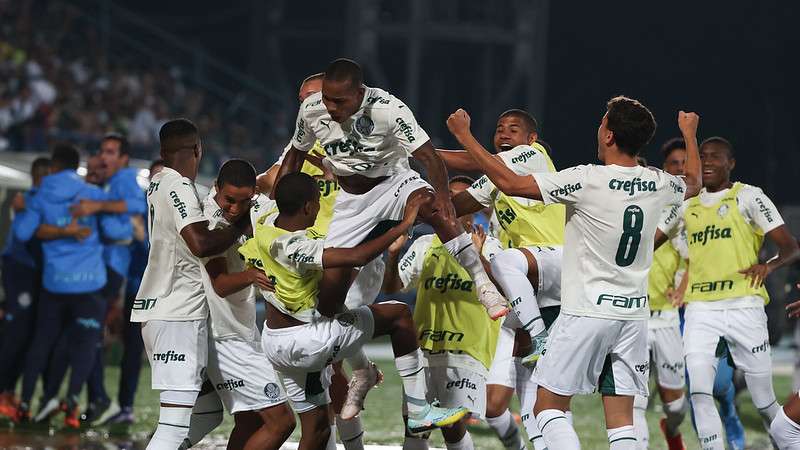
50	409
539	343
361	382
494	302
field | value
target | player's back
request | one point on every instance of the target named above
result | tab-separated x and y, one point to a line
612	215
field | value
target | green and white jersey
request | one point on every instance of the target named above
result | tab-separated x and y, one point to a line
612	214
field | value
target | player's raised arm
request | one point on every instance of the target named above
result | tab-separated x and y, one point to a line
435	168
292	163
687	122
503	178
458	160
204	243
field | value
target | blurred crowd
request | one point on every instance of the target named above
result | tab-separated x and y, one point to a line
60	85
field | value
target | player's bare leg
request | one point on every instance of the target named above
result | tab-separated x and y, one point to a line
315	429
268	428
459	244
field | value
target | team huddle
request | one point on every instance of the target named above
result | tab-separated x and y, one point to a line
576	289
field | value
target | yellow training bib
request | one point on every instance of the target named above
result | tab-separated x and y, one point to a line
721	243
666	261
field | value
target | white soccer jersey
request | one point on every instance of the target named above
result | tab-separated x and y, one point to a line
612	214
411	264
233	316
376	141
172	286
523	160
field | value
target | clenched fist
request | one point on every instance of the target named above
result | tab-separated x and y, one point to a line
687	122
458	123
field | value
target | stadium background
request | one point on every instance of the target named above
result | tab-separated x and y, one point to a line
73	70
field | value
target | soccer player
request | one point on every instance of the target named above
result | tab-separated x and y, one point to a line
132	345
125	199
725	227
529	271
300	342
22	271
612	213
239	375
171	302
457	339
367	283
664	342
368	135
72	277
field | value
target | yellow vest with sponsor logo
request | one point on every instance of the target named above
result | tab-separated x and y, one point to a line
448	314
666	261
537	224
297	292
327	193
721	243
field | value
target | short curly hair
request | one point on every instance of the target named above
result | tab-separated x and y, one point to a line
631	122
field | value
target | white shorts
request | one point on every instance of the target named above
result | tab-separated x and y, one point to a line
744	330
502	370
665	346
584	353
242	376
303	354
455	385
548	262
367	285
356	215
178	353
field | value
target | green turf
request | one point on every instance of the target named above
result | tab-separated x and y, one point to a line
381	418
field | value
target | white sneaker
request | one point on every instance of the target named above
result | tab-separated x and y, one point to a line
112	411
491	299
51	408
361	382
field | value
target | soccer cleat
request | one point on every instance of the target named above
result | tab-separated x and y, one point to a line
361	382
539	343
22	414
491	299
73	418
8	405
110	412
49	409
95	410
435	417
123	416
673	442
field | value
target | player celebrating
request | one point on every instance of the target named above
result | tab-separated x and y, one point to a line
725	226
301	344
368	135
604	309
529	272
456	361
664	340
171	302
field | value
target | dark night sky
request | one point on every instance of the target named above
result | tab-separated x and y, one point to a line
735	63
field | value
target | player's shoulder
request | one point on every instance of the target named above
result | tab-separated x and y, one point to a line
313	105
212	211
381	104
749	191
422	243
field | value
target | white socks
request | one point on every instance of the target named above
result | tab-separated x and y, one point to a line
413	374
641	430
557	431
415	443
510	270
785	431
332	439
206	415
172	429
675	412
506	430
464	444
462	248
351	433
709	425
621	438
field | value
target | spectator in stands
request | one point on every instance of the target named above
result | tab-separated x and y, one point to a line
22	264
72	277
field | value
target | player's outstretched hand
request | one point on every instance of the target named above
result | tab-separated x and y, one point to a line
412	209
675	296
757	273
458	123
687	122
478	237
260	279
793	309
